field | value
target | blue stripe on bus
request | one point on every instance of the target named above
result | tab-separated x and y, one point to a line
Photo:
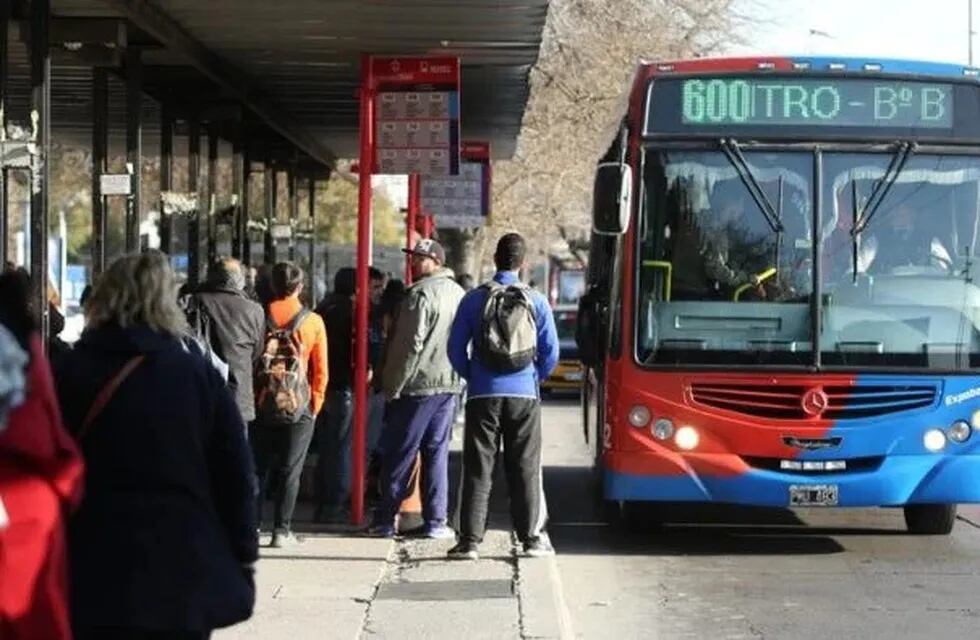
888	65
932	478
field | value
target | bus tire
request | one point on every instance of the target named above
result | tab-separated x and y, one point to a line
930	519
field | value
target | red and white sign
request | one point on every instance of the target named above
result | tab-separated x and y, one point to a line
461	201
416	115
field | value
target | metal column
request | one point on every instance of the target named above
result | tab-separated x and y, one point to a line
238	229
312	211
212	201
134	145
246	204
270	211
4	59
362	303
293	210
100	164
40	56
411	221
194	223
166	173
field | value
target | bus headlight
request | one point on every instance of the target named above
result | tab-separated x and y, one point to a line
663	429
975	419
934	440
639	416
687	438
959	431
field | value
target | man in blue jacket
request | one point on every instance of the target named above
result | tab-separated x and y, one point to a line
502	405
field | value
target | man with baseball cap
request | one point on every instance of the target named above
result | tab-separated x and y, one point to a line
421	388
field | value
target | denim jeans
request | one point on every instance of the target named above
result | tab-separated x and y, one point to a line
333	472
376	421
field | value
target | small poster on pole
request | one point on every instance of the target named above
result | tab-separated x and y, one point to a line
461	201
416	115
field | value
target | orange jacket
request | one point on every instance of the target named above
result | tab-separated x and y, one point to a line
313	337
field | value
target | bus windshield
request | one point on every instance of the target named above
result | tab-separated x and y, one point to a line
719	284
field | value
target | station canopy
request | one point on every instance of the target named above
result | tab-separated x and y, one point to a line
291	67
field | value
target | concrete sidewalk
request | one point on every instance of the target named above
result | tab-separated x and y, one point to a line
320	589
346	586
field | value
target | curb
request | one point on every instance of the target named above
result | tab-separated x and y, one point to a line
544	613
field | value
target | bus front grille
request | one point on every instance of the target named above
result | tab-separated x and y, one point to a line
801	402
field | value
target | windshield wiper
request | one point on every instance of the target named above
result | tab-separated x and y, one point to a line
864	215
734	154
861	216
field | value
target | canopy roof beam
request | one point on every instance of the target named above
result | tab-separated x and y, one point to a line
172	35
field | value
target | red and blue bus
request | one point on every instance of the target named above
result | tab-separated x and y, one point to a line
783	291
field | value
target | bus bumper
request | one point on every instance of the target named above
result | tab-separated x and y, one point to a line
900	480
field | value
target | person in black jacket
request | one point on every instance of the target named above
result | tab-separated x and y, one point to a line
164	542
333	469
236	328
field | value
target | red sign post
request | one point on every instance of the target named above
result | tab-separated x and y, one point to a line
414	207
363	300
409	123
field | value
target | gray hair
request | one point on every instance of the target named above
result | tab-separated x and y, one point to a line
137	290
226	272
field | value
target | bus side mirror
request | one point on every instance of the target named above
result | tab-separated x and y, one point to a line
611	196
587	331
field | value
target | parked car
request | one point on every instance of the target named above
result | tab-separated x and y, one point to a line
568	375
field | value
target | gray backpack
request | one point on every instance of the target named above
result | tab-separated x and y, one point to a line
507	339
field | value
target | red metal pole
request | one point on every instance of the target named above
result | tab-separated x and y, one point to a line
362	301
430	226
414	204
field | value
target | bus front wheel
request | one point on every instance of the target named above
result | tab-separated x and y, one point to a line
930	519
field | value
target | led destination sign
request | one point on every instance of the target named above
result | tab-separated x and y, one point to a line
816	102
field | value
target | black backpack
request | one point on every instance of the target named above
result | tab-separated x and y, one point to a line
282	386
507	338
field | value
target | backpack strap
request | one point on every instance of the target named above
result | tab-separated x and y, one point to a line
290	327
298	319
105	395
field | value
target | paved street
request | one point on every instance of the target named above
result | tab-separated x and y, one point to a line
747	574
782	574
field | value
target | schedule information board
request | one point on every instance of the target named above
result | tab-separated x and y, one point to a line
416	115
462	201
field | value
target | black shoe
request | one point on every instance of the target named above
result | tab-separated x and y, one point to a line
539	547
464	550
284	539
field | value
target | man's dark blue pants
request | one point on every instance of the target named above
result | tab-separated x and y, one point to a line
415	424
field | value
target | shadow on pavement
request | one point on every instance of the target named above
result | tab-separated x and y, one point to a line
578	526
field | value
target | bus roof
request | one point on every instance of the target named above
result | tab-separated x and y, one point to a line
810	63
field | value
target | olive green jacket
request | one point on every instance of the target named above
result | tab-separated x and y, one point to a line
417	356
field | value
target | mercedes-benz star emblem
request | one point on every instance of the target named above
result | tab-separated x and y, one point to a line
814	402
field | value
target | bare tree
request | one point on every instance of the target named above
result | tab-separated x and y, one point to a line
589	53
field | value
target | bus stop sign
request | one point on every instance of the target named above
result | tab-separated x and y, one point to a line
416	115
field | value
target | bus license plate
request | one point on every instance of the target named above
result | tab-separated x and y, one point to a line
813	495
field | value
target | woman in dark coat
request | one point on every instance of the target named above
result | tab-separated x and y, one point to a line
165	539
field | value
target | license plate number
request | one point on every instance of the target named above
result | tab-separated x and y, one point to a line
813	495
574	377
